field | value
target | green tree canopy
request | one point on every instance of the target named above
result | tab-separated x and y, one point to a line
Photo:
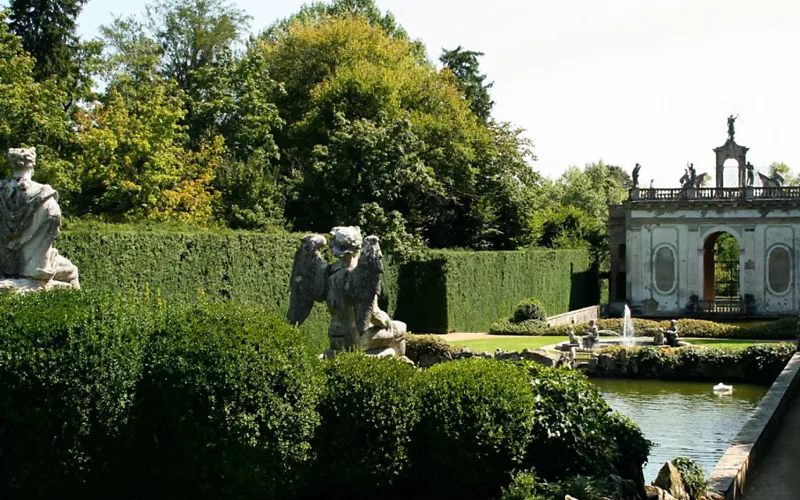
469	80
368	122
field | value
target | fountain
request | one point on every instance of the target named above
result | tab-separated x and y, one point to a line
596	339
628	333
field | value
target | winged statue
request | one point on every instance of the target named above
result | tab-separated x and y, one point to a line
350	288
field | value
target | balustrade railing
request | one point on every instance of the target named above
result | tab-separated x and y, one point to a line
721	306
783	192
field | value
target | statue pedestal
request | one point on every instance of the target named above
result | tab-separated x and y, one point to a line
25	285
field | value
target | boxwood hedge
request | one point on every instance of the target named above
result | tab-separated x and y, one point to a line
442	291
779	329
108	397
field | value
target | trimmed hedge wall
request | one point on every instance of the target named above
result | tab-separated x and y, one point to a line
780	329
466	291
444	291
760	363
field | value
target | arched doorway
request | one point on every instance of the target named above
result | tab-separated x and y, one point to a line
721	268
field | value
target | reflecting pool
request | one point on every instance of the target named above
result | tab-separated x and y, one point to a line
683	418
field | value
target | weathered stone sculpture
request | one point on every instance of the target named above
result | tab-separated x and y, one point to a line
573	339
350	288
635	175
672	334
30	220
592	335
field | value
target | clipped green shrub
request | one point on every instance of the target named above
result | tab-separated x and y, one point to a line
368	410
476	425
69	363
529	309
527	327
226	406
431	346
693	477
574	431
782	329
759	363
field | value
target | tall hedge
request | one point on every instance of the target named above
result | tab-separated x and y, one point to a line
443	291
466	291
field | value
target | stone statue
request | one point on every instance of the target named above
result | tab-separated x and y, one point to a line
350	287
750	174
30	220
658	338
573	339
672	334
592	334
731	130
684	180
698	183
635	175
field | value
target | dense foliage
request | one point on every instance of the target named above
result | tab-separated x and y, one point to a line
476	424
368	411
693	477
760	363
103	396
432	346
781	329
331	116
183	262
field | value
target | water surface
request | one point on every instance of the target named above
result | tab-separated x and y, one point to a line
683	418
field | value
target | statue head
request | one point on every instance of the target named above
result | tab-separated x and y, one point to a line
346	241
22	160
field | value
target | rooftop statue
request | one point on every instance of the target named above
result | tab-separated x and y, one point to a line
350	288
30	220
635	175
731	129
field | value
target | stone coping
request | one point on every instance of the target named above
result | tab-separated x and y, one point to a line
730	475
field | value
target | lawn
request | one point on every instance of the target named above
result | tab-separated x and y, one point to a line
509	344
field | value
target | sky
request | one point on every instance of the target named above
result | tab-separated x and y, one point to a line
625	81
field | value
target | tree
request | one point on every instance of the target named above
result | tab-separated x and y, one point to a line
31	110
132	161
197	39
47	29
368	123
465	67
782	169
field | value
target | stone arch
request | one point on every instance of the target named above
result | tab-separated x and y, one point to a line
729	151
710	264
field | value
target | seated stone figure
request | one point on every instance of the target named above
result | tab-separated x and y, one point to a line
30	220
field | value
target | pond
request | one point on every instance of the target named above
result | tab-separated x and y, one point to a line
683	418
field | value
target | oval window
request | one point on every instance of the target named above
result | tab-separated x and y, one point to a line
780	270
665	269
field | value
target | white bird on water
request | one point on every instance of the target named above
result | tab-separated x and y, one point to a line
723	388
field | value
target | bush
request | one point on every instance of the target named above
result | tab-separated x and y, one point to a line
226	406
432	346
476	424
574	431
760	363
693	477
524	486
369	408
527	327
529	309
69	363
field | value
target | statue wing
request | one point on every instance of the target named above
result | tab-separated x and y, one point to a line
365	285
308	278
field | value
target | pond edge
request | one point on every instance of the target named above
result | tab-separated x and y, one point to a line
730	475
